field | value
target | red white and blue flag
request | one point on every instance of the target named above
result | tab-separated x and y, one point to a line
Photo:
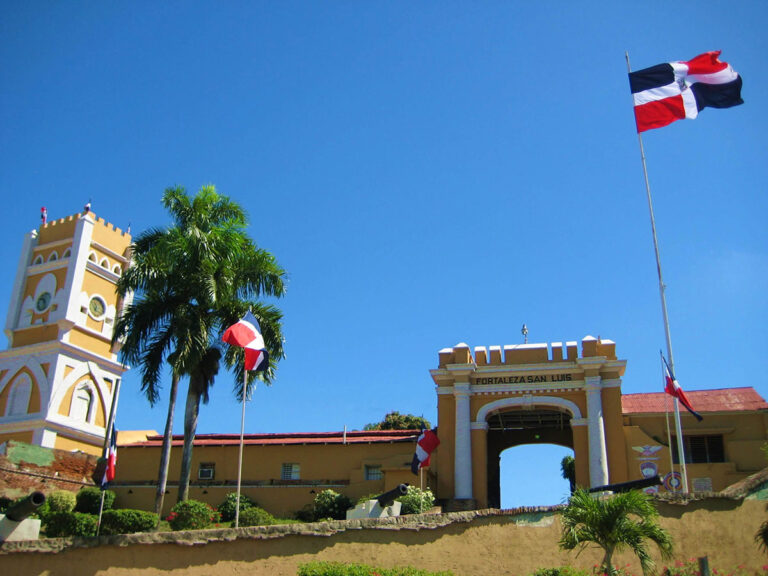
673	389
246	333
677	90
110	455
425	445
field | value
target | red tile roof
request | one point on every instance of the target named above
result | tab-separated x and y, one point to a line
353	437
723	400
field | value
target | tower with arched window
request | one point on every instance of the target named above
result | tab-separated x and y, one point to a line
60	371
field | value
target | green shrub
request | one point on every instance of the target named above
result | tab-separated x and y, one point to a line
89	500
227	508
59	524
416	501
339	569
255	516
61	501
330	504
192	515
126	521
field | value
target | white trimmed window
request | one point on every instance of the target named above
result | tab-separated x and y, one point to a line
82	401
206	471
290	472
18	400
373	473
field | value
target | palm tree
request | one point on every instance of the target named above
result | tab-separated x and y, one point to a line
192	280
624	520
568	471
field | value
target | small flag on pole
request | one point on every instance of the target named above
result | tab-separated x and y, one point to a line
673	389
246	333
110	457
668	92
425	445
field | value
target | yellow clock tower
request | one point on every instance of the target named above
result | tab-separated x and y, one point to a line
59	373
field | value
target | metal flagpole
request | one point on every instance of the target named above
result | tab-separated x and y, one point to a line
666	417
107	441
670	357
240	455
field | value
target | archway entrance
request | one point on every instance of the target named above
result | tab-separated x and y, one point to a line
522	426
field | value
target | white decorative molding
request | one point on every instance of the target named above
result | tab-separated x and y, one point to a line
12	318
491	407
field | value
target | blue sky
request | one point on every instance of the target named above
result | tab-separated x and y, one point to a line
427	173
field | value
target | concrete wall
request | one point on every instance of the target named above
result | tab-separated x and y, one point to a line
468	543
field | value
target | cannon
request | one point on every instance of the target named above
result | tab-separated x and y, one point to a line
16	524
382	506
390	496
25	507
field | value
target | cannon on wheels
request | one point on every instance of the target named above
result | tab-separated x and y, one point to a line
16	523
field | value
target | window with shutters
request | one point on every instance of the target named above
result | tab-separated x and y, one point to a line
290	472
700	449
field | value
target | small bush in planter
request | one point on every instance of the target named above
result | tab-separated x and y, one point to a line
255	516
89	500
192	515
60	524
127	521
227	508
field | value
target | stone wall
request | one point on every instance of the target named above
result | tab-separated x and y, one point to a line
468	543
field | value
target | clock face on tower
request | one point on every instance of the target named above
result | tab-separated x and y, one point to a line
43	301
96	307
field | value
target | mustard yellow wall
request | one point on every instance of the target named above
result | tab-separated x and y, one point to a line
35	334
614	438
479	439
110	236
87	341
57	230
25	436
446	418
339	467
71	444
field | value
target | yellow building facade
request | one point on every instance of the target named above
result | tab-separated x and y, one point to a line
59	373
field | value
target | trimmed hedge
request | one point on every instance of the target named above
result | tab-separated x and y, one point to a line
89	500
330	504
61	501
339	569
60	524
192	515
227	508
255	516
127	521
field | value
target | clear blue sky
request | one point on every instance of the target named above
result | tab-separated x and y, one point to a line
427	173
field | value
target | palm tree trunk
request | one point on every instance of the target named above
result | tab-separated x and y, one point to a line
190	427
165	455
608	562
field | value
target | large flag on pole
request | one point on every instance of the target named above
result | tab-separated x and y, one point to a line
668	92
246	333
425	445
673	389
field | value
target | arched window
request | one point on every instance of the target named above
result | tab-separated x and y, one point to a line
104	263
67	253
117	269
92	256
18	399
82	401
38	260
53	256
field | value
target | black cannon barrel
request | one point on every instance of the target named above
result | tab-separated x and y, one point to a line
25	507
387	498
627	486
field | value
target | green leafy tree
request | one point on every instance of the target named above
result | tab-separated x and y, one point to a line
623	521
190	282
568	470
396	421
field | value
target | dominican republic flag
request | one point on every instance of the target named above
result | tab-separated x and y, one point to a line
673	389
246	333
677	90
110	456
426	443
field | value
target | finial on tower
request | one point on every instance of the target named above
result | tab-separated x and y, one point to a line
524	332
